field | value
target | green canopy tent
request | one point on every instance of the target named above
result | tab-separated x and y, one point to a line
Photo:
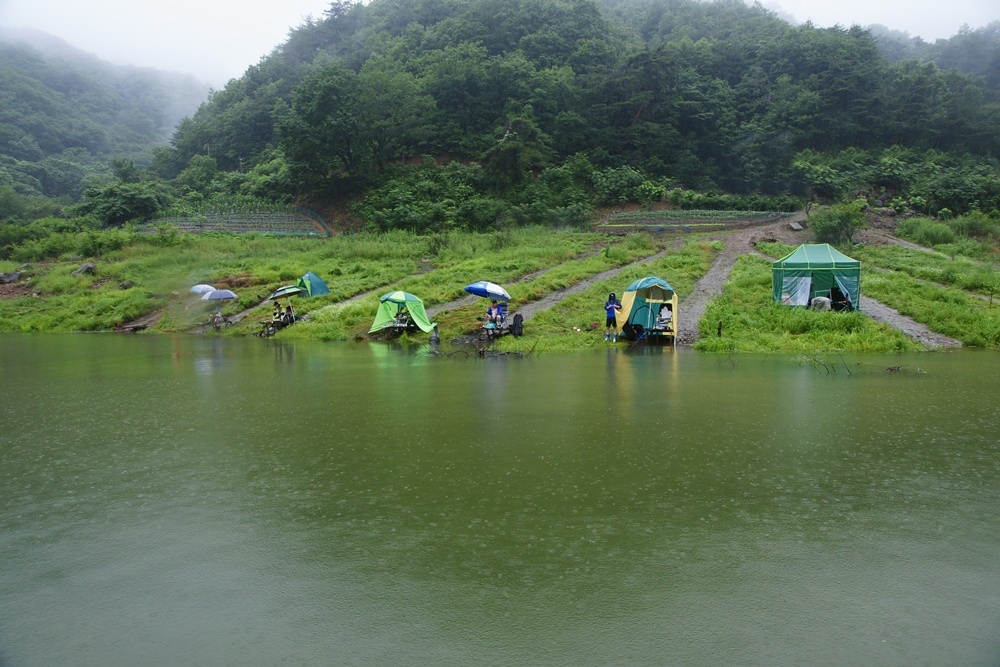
813	270
396	304
649	308
313	284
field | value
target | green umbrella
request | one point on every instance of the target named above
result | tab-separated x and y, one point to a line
399	296
287	290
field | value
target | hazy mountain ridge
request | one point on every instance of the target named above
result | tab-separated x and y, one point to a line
545	108
709	94
973	51
58	103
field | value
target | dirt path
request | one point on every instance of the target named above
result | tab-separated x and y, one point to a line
915	330
739	242
461	302
877	237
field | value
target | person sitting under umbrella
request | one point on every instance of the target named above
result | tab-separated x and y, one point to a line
276	316
493	313
289	315
402	317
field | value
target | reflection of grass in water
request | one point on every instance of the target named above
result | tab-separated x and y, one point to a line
752	322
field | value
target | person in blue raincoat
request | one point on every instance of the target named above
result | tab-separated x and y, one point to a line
611	306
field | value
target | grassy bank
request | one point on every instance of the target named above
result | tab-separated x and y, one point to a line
142	275
752	322
147	278
577	322
950	295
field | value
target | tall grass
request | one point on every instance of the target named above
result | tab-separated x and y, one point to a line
946	310
959	272
564	258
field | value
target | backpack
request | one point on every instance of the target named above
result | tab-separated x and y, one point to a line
517	327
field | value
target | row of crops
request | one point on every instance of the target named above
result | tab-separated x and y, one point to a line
667	216
280	223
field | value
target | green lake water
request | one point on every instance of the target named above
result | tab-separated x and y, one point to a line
205	501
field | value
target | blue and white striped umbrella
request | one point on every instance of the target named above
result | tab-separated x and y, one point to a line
488	290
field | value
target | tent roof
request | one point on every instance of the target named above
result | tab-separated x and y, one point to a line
647	282
816	256
399	296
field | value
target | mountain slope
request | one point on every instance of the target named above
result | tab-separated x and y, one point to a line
60	105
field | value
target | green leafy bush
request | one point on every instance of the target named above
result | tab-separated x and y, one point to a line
925	231
838	224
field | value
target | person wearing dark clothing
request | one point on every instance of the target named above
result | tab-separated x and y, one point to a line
611	306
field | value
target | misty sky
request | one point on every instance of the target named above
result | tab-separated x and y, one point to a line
216	40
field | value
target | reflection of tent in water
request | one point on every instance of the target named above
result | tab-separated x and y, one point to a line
399	311
813	270
649	310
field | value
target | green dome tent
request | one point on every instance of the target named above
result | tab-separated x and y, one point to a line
313	284
813	270
395	304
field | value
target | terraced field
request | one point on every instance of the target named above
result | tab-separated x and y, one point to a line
280	224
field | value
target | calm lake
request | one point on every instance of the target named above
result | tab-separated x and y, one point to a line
203	501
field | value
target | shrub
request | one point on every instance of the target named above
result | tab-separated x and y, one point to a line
838	224
976	225
617	186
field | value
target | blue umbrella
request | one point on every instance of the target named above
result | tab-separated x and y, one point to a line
218	295
488	290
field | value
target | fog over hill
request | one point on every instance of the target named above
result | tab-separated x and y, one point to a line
65	115
176	95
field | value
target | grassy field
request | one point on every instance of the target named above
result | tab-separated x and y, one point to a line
963	273
952	296
752	322
576	323
443	284
142	277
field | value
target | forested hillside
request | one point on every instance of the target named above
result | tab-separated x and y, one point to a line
710	96
65	114
474	114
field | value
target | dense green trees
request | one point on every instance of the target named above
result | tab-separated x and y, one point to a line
716	95
553	107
